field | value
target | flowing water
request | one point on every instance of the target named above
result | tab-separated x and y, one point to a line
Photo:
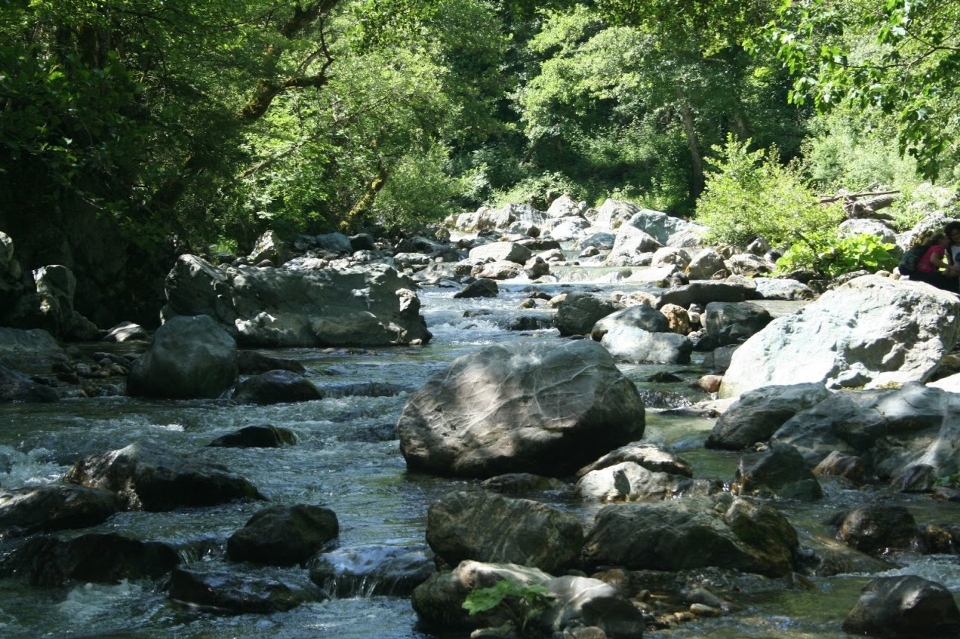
347	458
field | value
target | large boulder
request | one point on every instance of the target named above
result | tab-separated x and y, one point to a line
283	535
629	481
630	344
56	286
275	387
758	413
579	312
639	316
266	307
97	557
570	603
668	230
17	388
629	245
502	252
147	477
702	292
904	606
19	347
229	593
189	357
779	471
54	507
525	406
485	526
870	332
693	533
894	430
733	322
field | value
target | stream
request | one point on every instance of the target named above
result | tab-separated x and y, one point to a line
347	458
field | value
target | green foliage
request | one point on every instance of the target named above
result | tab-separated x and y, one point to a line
522	602
750	194
538	190
898	57
833	256
419	190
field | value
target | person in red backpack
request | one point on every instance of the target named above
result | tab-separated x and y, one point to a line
933	267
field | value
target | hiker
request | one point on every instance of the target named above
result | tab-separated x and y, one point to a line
934	268
952	231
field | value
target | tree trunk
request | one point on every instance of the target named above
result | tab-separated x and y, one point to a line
693	144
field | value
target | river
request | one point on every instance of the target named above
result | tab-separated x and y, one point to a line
347	458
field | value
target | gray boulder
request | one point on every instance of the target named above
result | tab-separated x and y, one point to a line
635	345
275	387
502	252
270	247
629	481
56	286
668	230
264	436
870	332
17	388
629	245
262	307
779	471
54	507
733	322
19	347
229	593
147	477
483	287
703	292
646	454
283	535
572	602
892	429
693	533
525	406
705	264
877	528
757	414
105	558
189	357
579	312
489	527
254	363
639	316
776	288
906	606
126	332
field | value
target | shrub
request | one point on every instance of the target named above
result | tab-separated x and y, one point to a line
834	256
750	194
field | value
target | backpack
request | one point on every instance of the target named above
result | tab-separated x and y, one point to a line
910	259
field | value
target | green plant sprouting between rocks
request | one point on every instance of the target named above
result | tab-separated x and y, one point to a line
834	255
521	602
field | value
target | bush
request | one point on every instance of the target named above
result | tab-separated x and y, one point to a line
834	256
749	194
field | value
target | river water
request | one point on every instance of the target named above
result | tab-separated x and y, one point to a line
347	458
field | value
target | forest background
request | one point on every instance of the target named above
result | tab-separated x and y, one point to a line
131	130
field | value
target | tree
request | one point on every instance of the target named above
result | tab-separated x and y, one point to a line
680	78
896	56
